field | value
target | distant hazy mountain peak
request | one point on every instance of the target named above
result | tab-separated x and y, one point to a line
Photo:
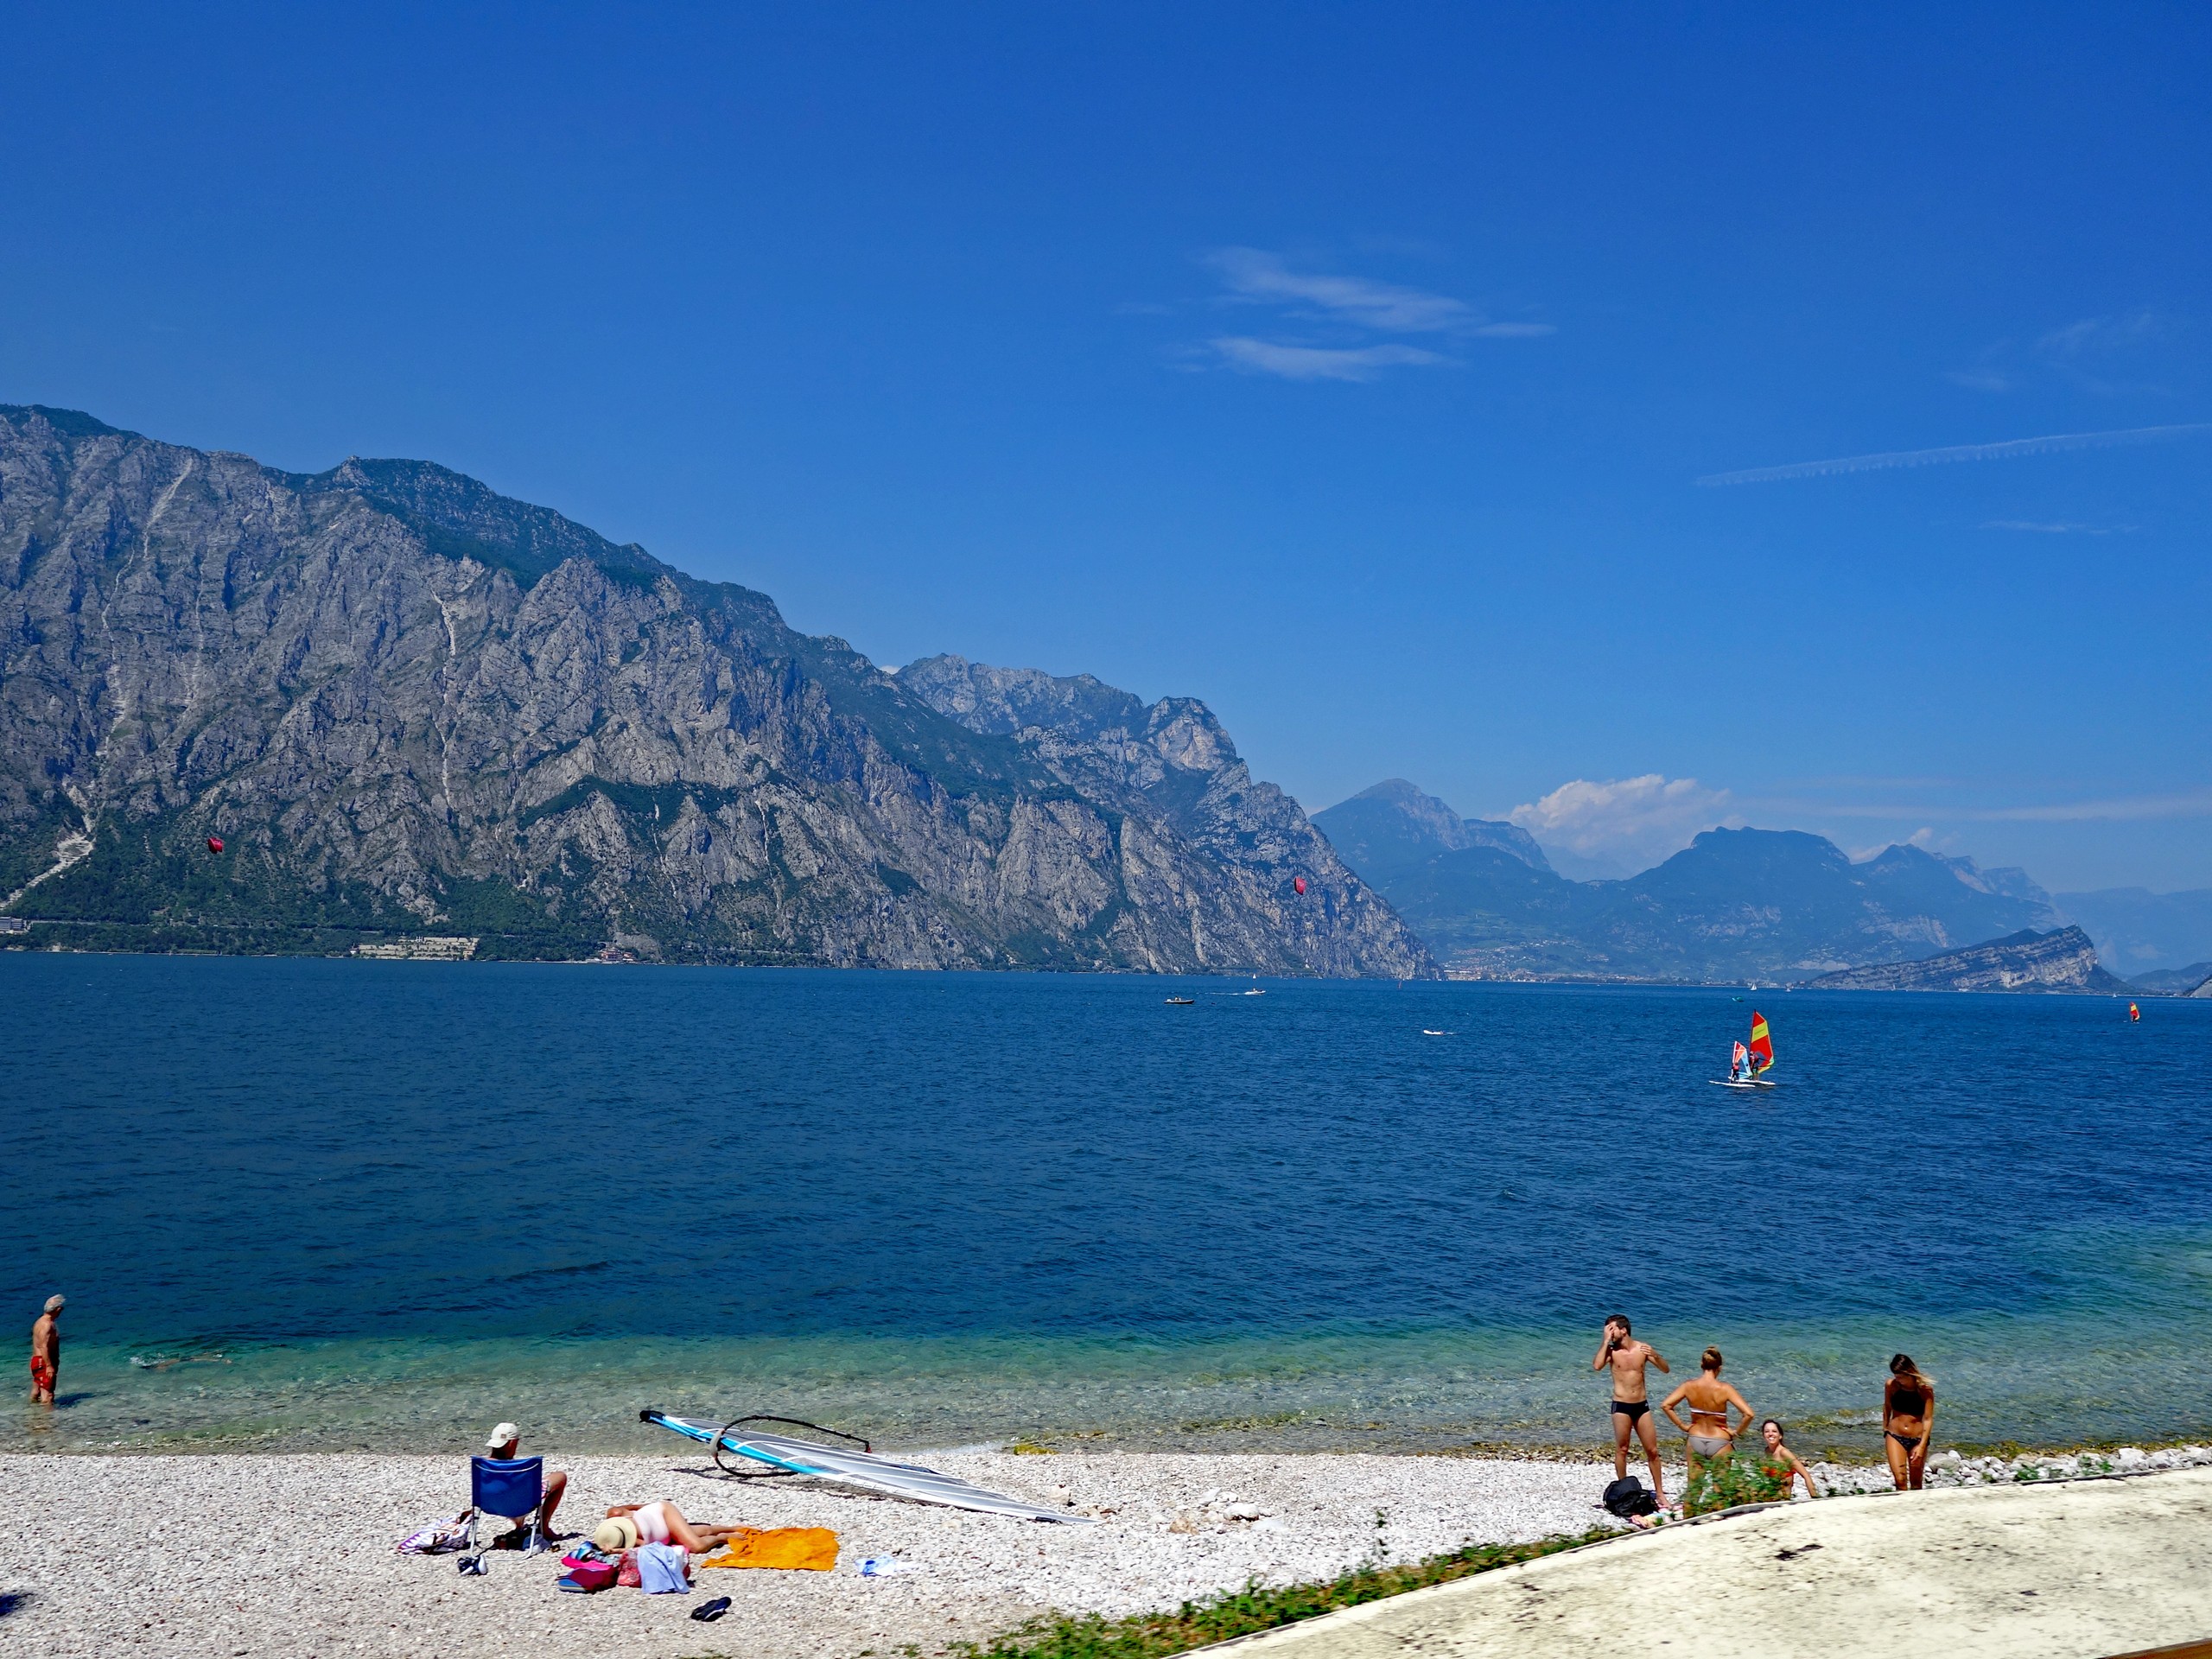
1448	829
1394	827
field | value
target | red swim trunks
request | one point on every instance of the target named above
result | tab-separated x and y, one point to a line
42	1374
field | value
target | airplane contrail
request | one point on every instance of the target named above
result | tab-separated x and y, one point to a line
1958	452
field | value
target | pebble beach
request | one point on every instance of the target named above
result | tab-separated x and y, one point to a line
295	1555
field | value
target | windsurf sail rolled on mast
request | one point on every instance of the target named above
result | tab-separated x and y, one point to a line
1762	1045
784	1454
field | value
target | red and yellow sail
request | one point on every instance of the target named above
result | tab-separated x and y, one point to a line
1762	1043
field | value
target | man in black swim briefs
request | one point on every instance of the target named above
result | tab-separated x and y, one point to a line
1631	1404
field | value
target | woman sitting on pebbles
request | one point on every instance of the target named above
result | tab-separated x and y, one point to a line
1781	1465
1908	1419
628	1525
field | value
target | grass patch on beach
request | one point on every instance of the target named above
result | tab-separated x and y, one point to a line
1256	1607
1727	1483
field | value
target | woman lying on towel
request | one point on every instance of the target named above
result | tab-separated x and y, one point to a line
628	1525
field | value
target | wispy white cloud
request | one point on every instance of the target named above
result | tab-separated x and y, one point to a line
1253	274
2058	529
1342	315
2086	352
1625	822
1851	780
2127	809
2124	809
1980	379
2095	336
1319	362
2010	450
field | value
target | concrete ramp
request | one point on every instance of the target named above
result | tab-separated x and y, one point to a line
2079	1570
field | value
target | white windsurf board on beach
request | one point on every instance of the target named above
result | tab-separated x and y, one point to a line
863	1469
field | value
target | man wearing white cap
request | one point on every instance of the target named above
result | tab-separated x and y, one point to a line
46	1352
505	1439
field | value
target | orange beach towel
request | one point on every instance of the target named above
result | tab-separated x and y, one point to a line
809	1549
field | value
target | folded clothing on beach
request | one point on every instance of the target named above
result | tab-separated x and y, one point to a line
660	1570
437	1538
807	1549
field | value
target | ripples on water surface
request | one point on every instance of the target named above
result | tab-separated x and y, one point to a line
400	1199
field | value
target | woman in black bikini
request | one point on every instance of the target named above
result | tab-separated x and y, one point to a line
1908	1419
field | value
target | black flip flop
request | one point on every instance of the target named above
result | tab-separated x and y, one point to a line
713	1611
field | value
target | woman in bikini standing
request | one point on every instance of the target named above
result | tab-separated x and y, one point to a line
1908	1419
1708	1397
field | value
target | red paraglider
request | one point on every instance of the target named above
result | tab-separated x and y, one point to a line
214	843
1298	882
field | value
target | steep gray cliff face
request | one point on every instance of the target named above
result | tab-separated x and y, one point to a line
2062	960
1171	774
406	704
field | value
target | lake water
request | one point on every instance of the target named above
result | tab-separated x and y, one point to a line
341	1204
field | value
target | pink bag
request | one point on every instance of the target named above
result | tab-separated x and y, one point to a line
590	1576
627	1578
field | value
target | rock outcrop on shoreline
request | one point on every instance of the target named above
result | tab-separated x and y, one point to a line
2060	960
405	706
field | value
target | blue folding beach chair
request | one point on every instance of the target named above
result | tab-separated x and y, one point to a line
503	1486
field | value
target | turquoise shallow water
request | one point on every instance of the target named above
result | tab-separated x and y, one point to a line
353	1204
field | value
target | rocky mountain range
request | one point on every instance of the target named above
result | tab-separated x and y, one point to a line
2194	980
2063	959
409	709
1736	904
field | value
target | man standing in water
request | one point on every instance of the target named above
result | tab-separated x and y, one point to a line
46	1352
1631	1405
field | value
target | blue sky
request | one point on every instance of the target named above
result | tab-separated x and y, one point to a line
1353	368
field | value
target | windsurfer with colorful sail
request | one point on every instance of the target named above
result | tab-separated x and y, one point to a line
1749	1061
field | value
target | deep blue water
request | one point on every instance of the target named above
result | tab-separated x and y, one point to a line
396	1197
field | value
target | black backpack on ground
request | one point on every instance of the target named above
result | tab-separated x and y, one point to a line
1629	1497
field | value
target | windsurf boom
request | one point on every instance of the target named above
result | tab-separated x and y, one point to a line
787	1455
